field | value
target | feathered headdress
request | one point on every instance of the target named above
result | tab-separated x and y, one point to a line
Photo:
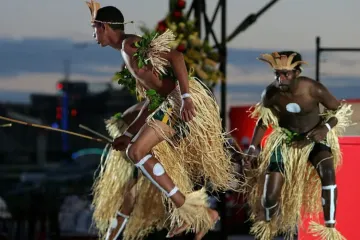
94	7
280	62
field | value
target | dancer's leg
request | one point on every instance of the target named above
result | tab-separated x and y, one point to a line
322	160
139	151
271	194
119	222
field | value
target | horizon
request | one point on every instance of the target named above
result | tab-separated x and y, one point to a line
32	59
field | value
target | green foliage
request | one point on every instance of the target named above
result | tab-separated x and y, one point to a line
142	48
155	99
126	79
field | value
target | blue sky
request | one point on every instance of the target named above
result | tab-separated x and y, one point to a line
37	36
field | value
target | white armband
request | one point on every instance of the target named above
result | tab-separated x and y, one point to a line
185	95
328	126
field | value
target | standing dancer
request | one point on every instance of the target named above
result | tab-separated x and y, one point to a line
299	159
176	140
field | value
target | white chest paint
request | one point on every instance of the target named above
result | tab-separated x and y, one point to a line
293	108
127	62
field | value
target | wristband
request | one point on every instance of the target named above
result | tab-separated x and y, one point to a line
126	133
185	95
328	126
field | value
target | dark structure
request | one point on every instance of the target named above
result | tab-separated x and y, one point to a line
198	9
320	49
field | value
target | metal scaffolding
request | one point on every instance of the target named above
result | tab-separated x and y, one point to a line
320	49
201	17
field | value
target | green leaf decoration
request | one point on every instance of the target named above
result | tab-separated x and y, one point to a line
126	79
118	116
142	47
155	99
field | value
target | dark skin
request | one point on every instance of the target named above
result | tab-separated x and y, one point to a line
147	136
289	87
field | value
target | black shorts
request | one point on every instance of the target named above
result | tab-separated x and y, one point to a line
277	162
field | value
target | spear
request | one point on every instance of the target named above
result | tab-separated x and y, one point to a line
51	129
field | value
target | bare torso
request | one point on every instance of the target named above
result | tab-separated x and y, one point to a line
297	111
145	75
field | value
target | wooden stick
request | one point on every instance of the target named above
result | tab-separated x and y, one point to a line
96	133
50	128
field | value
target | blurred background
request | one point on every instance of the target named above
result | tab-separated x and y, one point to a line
53	73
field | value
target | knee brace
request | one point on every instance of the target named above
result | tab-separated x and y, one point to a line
114	224
158	170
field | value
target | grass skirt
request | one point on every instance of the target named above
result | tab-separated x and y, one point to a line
110	188
202	155
301	192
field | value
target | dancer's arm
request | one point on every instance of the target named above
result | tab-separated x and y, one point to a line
258	134
177	62
323	96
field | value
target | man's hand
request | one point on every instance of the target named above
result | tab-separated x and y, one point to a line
120	143
318	134
250	155
187	110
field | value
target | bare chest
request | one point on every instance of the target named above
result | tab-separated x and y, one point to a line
295	105
143	74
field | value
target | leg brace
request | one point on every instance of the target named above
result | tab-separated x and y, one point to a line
267	209
332	203
114	225
158	170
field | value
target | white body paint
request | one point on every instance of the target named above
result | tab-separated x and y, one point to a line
126	59
114	224
293	108
159	169
331	188
267	209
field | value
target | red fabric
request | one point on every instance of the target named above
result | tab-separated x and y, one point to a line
348	176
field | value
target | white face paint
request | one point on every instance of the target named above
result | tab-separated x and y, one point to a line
293	108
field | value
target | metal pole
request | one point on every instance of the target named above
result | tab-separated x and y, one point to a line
223	54
197	10
317	68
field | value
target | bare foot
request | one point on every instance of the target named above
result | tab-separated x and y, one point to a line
214	217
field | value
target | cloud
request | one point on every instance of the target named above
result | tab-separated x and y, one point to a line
35	65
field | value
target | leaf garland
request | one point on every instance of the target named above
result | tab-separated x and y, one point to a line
155	99
142	48
126	79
